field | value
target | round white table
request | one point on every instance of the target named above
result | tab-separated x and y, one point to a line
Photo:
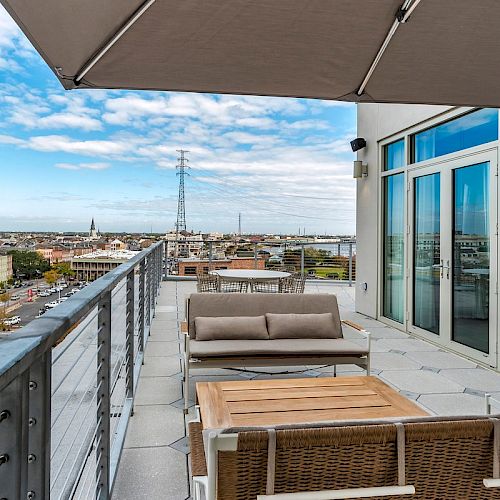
249	275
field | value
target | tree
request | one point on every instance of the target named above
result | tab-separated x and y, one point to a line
64	269
28	264
4	299
51	276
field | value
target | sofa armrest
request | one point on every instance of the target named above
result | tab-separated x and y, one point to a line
358	330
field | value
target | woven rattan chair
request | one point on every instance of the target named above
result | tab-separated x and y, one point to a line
269	286
230	286
207	283
293	284
425	458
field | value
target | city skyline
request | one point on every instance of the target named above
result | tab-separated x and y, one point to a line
69	156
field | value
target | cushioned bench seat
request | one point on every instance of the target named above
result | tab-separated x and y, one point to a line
284	347
247	330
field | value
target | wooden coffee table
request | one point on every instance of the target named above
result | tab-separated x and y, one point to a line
293	401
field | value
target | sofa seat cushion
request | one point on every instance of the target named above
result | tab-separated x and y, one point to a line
302	326
276	347
231	328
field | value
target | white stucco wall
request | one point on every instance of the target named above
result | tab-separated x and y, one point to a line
375	123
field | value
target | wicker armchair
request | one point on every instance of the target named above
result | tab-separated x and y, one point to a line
269	286
425	458
207	283
229	286
293	284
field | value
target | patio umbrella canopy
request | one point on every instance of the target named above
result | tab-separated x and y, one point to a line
421	51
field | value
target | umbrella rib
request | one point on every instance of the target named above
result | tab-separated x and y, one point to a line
401	17
105	48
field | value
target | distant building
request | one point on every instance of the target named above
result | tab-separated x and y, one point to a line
191	267
93	233
93	265
5	268
55	253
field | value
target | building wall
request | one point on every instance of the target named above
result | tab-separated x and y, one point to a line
377	122
90	270
193	267
5	267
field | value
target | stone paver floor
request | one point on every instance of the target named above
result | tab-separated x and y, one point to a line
154	463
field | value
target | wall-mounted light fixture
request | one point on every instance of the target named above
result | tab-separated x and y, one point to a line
360	169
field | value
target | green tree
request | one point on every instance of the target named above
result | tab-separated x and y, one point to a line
4	299
28	264
64	269
51	276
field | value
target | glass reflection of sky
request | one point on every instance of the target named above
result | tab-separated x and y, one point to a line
471	200
394	155
463	132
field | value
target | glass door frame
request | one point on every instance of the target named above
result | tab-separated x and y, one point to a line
445	169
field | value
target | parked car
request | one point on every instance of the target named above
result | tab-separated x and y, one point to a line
52	290
14	320
63	299
15	297
63	285
41	312
44	294
52	304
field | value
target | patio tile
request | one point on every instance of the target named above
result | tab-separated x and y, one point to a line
160	366
146	473
154	349
420	381
407	345
392	361
157	391
386	332
453	404
440	359
478	378
155	425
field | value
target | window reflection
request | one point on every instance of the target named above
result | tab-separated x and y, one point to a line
463	132
393	303
471	256
394	155
426	253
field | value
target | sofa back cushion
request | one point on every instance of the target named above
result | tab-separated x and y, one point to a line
231	328
302	326
258	304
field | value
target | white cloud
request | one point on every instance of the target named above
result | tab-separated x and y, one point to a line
83	166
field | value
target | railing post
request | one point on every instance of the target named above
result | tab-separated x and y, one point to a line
350	264
14	439
255	255
142	304
302	259
151	279
39	425
210	255
129	339
103	400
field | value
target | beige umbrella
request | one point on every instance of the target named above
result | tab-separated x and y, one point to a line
420	51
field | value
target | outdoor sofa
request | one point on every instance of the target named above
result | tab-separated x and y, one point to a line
236	330
423	458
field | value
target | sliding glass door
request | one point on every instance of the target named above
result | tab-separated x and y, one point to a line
452	243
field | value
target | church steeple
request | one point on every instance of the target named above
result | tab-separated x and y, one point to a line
92	232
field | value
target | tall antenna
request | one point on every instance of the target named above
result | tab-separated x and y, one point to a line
239	223
181	202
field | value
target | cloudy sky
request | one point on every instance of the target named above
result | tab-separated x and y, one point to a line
66	156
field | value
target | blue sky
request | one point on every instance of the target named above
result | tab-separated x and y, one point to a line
68	156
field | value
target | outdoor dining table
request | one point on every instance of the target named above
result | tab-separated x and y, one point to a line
249	275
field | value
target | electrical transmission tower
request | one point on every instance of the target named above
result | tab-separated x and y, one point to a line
181	202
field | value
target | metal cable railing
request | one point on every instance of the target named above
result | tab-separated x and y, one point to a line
69	379
315	260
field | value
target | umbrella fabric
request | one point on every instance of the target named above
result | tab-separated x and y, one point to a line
447	51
